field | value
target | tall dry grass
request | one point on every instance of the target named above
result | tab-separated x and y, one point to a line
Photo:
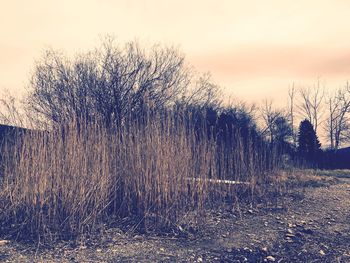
68	181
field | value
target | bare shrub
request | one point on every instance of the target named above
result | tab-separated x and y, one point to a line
114	81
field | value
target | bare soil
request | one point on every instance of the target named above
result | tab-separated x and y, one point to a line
312	225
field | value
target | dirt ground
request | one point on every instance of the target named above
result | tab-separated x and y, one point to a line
312	226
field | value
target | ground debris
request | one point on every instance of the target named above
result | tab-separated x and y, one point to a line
265	234
270	259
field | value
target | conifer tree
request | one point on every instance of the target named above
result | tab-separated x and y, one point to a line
309	147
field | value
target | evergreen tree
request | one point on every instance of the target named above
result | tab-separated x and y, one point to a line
282	132
309	146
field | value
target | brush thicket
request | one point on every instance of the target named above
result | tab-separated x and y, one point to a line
68	181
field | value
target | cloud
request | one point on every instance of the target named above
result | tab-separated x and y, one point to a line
278	61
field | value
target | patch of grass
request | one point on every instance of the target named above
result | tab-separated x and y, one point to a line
306	178
334	173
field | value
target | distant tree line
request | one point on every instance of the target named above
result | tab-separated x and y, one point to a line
326	113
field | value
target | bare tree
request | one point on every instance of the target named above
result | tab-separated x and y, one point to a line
13	112
291	95
109	83
338	122
203	93
10	113
275	124
310	106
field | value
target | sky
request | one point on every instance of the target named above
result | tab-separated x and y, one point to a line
254	49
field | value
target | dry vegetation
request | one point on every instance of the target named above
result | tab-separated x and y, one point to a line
66	182
306	178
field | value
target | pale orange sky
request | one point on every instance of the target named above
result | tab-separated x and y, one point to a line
254	49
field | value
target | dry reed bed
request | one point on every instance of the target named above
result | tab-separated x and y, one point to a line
66	182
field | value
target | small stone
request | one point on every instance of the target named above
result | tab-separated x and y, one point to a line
264	249
298	224
322	252
270	258
137	237
289	240
290	231
98	250
4	242
199	259
247	249
250	211
229	250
